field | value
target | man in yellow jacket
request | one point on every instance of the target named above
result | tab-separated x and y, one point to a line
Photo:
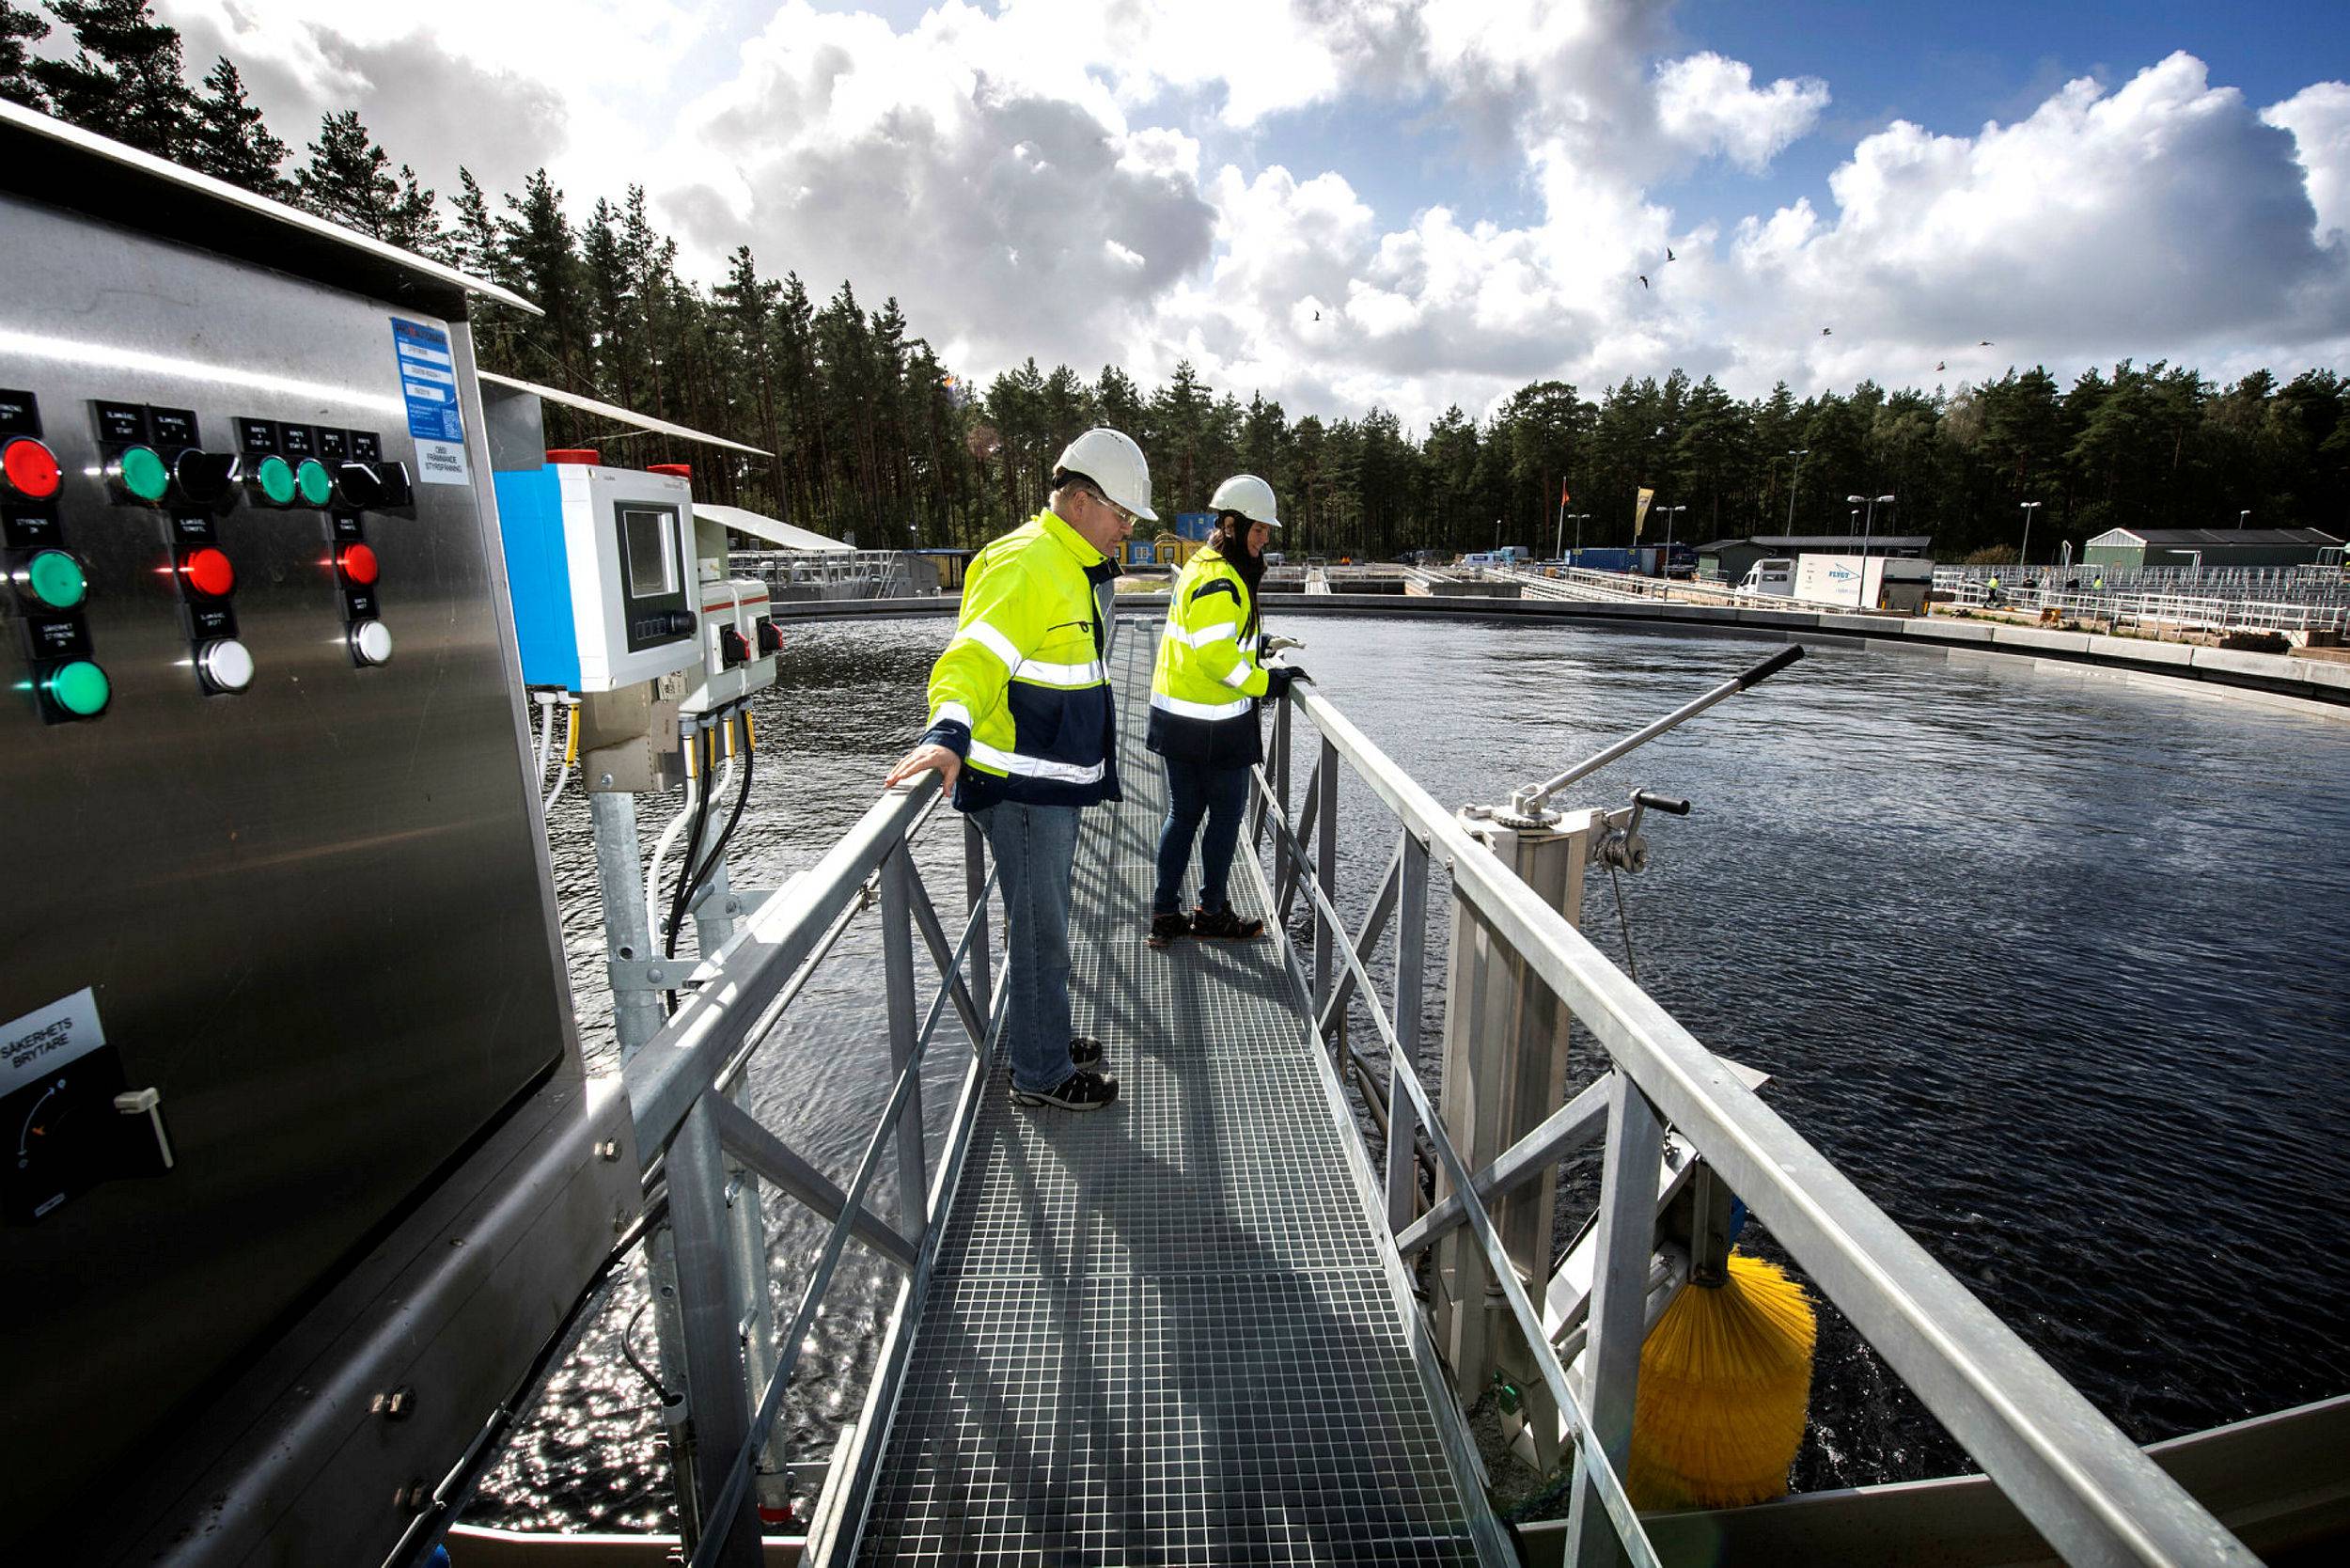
1203	712
1022	730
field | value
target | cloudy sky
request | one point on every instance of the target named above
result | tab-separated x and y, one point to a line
1421	202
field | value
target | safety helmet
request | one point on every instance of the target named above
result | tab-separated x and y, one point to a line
1248	495
1112	461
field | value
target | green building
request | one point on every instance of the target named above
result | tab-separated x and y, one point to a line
2130	548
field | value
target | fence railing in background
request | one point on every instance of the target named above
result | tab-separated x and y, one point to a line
2081	1482
2120	607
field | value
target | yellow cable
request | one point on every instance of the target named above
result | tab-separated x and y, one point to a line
570	733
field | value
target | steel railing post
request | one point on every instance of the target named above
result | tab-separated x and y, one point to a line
974	911
1326	935
1411	957
715	1391
897	912
1618	1320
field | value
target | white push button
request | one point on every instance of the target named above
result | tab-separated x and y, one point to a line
372	642
227	665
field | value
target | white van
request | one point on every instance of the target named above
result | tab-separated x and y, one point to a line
1772	576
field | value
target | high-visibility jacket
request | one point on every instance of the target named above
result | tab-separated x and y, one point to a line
1021	692
1203	692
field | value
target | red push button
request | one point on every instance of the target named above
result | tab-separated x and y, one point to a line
209	572
359	564
31	468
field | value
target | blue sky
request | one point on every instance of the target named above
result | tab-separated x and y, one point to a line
1416	203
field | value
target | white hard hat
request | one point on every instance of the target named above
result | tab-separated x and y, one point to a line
1248	495
1112	461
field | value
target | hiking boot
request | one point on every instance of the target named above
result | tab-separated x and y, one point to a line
1225	925
1084	1052
1079	1092
1166	928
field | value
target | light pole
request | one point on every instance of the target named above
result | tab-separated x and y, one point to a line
1669	527
1578	519
1799	456
1867	524
2243	517
2024	554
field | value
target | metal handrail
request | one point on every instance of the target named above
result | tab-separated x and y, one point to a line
2091	1493
901	1094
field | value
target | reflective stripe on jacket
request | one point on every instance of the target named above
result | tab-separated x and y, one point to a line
1021	692
1204	689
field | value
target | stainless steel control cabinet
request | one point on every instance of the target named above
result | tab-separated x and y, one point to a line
308	907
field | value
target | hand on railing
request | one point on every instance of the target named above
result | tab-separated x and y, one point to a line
925	758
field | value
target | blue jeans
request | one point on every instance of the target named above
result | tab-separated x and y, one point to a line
1035	848
1195	790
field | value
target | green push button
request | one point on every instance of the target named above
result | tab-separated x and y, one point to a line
55	579
81	688
311	479
277	481
144	474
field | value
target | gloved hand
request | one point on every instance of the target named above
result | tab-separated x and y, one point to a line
1273	644
1283	677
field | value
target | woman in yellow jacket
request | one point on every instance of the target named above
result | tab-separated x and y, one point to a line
1203	712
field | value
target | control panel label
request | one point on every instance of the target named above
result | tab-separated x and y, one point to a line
47	1038
20	412
173	426
57	636
120	423
428	383
26	528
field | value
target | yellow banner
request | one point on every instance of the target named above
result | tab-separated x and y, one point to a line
1639	512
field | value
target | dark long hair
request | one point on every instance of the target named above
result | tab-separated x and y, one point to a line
1231	541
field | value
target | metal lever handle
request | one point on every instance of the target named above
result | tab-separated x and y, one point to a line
1528	802
1666	803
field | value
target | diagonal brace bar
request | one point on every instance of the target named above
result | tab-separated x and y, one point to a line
934	938
1575	1123
778	1165
1374	927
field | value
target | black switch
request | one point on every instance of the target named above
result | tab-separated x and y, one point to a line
207	477
393	477
358	484
770	640
732	650
681	622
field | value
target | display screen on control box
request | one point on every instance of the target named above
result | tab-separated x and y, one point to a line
649	540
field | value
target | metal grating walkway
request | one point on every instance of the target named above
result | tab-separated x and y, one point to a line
1167	1332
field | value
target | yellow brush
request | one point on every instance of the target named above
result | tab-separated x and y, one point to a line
1725	1378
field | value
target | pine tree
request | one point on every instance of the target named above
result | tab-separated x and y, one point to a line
227	139
125	80
349	178
413	222
544	265
17	29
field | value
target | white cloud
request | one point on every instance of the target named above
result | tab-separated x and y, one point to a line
2319	118
1708	103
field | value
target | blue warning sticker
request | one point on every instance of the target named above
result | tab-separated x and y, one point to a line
428	384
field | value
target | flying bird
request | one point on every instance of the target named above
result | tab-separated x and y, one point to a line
1984	344
1938	365
1644	280
1828	332
1669	253
1317	315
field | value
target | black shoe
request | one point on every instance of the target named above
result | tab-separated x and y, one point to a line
1166	928
1084	1052
1225	925
1079	1092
